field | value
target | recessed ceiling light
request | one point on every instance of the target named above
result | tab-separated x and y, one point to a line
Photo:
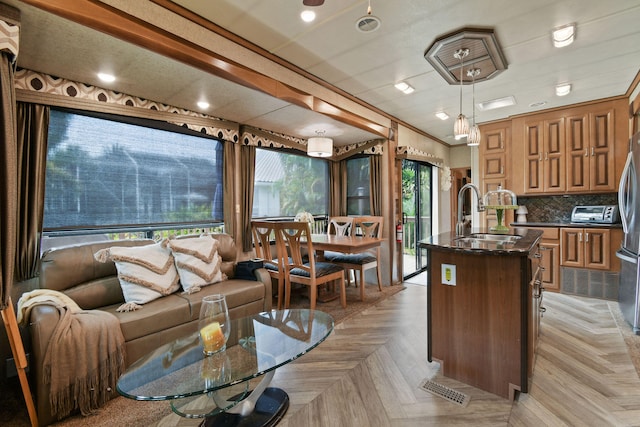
203	104
563	89
404	87
564	36
442	115
308	15
497	103
108	78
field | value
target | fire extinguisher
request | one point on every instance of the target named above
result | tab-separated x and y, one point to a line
399	232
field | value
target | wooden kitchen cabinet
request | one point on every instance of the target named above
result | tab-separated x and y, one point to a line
550	259
493	155
571	150
585	248
591	150
544	145
495	140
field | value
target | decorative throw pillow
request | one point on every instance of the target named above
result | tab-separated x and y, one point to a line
145	273
197	261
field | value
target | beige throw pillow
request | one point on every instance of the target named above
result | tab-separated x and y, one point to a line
145	273
197	261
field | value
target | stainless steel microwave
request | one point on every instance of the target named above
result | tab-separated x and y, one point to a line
606	214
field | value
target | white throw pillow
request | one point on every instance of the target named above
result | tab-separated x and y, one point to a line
197	261
145	273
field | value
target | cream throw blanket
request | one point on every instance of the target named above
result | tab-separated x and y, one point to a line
85	356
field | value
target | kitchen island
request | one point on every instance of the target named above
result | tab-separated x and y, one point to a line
484	305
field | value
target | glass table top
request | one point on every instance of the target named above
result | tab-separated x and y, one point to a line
257	344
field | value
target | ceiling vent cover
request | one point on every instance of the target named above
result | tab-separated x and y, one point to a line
484	53
368	23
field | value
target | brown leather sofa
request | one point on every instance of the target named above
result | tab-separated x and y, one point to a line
94	285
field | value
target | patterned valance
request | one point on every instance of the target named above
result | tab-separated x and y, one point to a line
60	88
9	39
406	152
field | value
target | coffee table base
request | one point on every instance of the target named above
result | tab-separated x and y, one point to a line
268	411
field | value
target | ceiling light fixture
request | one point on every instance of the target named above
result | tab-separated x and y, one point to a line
203	104
507	101
563	89
308	15
461	126
404	87
320	146
473	140
442	115
564	36
108	78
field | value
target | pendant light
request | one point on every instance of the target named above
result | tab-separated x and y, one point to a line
473	140
461	126
320	146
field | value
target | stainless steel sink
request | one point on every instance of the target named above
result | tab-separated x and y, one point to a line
509	238
478	238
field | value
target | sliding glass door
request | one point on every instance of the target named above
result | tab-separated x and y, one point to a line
417	218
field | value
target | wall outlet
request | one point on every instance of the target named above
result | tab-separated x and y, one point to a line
449	274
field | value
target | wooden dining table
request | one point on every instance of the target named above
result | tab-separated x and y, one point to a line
344	244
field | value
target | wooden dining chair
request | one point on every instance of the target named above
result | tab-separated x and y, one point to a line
263	231
369	226
295	237
339	226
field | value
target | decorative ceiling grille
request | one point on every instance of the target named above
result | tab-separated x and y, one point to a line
484	53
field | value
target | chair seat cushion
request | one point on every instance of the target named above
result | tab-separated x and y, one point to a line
359	259
322	269
330	255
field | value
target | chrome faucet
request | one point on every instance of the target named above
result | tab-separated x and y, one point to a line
460	223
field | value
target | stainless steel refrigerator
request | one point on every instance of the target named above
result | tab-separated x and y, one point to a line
629	253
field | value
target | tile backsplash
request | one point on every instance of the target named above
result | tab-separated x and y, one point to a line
558	208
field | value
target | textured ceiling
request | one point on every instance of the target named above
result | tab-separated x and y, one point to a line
602	62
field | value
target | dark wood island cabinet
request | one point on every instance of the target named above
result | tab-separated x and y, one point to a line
484	305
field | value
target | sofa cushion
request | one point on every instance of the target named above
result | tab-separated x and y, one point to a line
237	292
158	315
197	261
145	273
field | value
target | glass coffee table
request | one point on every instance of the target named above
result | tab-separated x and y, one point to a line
217	387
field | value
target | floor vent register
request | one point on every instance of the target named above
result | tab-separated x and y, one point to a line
445	392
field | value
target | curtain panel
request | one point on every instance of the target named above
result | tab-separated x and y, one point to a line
9	174
246	177
32	132
375	183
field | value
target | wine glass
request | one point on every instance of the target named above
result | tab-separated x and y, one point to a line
214	325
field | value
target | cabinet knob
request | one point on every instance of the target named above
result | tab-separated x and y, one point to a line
592	151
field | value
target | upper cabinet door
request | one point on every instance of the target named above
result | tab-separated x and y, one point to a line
544	156
493	149
578	153
601	150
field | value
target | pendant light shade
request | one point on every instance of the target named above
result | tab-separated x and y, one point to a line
473	139
320	146
461	126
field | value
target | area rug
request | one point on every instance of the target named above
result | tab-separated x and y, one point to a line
300	299
123	411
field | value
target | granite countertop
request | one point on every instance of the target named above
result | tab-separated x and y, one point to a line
528	238
564	225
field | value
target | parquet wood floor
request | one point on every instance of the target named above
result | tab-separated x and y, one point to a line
368	371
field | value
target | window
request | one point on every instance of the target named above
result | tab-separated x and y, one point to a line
358	198
106	173
286	184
